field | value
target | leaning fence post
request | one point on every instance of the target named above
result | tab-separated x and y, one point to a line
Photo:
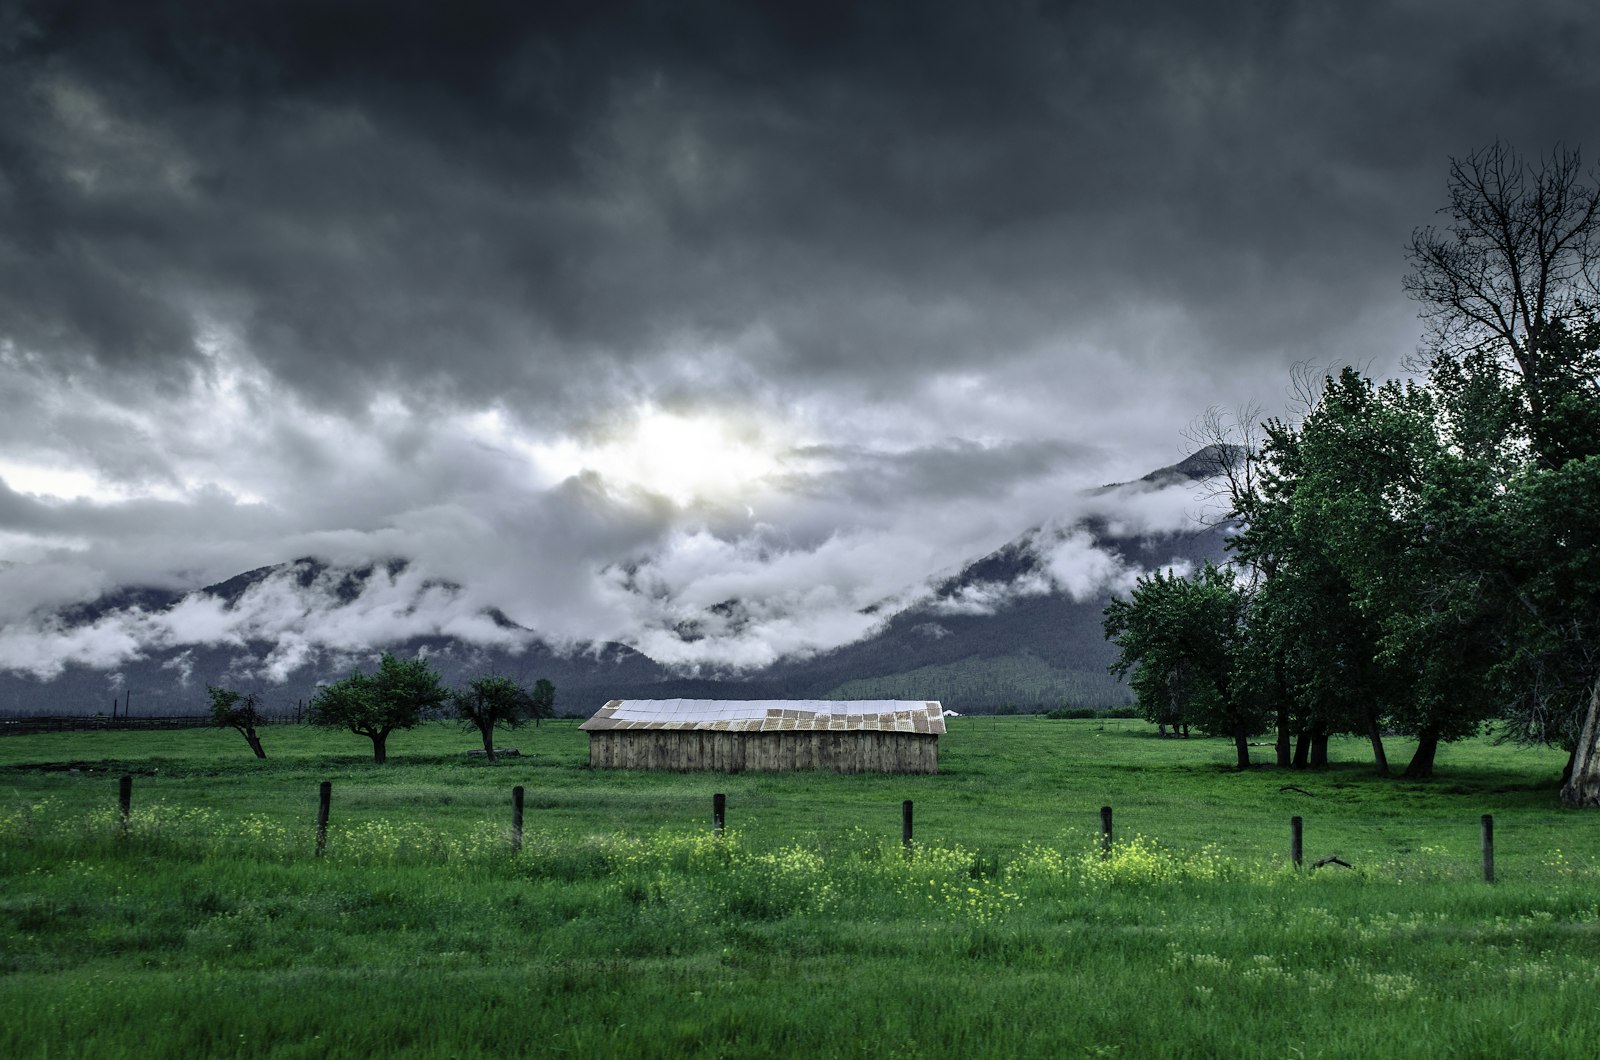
1296	845
324	796
1105	831
516	818
1488	848
125	798
905	825
719	812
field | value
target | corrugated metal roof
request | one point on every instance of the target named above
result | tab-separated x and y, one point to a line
770	715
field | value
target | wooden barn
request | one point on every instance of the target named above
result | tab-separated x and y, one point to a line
730	736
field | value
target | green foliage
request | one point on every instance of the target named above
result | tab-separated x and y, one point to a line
1408	520
398	696
1181	638
491	702
1065	713
542	700
1422	553
236	710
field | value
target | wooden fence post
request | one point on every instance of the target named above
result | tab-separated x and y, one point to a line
125	799
1296	844
1105	831
719	812
1488	848
324	796
516	818
905	825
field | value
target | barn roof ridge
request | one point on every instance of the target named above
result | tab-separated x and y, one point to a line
771	715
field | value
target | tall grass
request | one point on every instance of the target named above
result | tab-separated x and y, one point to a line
208	926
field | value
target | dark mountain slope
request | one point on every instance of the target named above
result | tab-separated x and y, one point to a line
1034	649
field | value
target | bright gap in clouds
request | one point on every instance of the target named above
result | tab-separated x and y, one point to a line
685	458
58	483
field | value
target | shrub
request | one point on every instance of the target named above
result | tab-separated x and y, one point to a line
1064	713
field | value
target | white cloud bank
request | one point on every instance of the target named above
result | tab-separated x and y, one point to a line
806	542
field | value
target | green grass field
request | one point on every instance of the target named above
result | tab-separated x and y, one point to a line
625	927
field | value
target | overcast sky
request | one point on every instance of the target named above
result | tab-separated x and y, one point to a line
611	312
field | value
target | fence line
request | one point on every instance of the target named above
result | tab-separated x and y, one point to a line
719	810
27	726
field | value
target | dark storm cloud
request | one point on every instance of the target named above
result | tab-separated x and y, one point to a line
265	267
479	199
959	469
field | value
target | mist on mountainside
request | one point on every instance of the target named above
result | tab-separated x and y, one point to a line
1018	627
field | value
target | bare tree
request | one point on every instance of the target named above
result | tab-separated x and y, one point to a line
1519	260
1227	451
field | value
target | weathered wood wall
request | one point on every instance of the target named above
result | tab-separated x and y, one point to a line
736	752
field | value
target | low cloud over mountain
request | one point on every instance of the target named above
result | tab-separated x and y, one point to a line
289	625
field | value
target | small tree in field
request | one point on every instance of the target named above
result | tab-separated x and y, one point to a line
236	710
1181	639
489	703
542	701
374	705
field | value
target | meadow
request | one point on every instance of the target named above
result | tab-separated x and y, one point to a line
207	926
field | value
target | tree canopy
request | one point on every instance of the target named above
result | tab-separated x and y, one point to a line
1181	638
492	702
1422	555
397	696
236	710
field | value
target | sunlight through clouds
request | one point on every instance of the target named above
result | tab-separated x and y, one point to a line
685	458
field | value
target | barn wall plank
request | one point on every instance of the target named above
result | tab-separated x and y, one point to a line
734	752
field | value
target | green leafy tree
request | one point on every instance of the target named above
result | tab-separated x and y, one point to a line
398	696
489	703
542	700
1424	555
236	710
1307	651
1511	287
1549	570
1180	638
1410	520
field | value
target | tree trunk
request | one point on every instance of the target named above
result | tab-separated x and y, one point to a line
1283	736
1583	785
1421	766
1319	749
487	731
1302	749
1379	758
380	750
250	737
1241	744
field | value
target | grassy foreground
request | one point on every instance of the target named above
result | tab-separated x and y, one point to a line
624	927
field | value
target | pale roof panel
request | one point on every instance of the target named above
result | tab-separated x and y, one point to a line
764	714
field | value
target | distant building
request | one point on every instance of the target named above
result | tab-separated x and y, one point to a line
732	736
